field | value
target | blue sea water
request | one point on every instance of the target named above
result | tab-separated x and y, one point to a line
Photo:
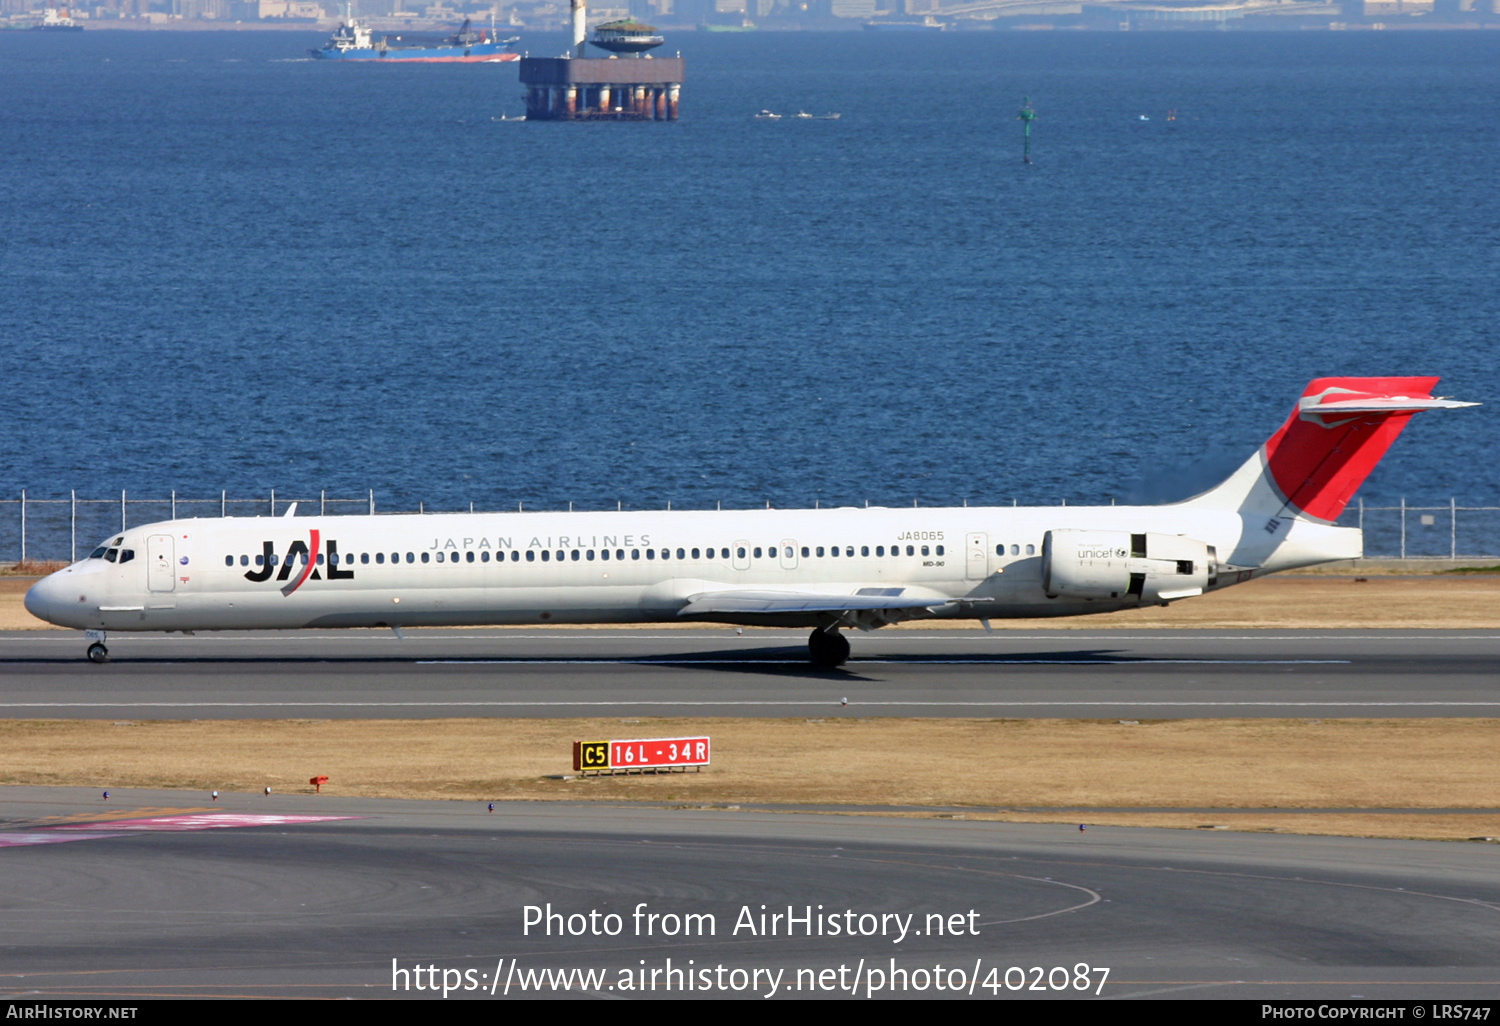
227	268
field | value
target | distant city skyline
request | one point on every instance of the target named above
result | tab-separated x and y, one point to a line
731	15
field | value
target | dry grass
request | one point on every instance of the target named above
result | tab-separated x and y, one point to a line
32	568
1252	764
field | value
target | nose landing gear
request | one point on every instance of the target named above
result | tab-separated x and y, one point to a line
825	648
97	652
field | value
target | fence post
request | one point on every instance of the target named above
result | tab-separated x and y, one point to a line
23	525
174	503
1403	527
224	503
372	502
122	510
73	548
273	502
323	503
1452	527
1361	514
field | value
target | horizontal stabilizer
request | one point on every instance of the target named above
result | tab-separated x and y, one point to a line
1310	407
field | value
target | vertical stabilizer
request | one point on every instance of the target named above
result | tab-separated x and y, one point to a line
1334	437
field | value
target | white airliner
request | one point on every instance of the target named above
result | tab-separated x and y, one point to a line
826	569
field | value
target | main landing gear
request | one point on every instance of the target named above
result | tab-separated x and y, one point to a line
97	652
827	648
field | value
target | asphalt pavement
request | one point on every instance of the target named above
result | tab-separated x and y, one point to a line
157	894
654	671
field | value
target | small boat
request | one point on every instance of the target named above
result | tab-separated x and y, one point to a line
804	114
827	117
766	115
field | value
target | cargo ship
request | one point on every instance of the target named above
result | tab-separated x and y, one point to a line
54	20
353	41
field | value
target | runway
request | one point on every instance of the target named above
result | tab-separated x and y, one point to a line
320	908
655	671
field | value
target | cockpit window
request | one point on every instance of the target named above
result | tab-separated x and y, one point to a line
99	552
111	554
126	555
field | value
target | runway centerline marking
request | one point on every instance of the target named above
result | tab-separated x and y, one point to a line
1120	703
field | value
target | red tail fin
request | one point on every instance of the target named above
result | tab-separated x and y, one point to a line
1338	432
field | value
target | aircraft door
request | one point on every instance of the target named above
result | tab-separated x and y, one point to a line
161	566
788	553
978	560
741	553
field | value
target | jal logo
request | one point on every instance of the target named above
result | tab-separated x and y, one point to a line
307	567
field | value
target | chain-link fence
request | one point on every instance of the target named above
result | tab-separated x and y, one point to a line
40	530
1417	532
43	529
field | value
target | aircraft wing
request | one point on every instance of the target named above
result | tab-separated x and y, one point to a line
735	600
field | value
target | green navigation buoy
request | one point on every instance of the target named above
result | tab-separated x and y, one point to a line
1026	117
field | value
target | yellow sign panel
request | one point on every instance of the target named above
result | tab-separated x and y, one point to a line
590	755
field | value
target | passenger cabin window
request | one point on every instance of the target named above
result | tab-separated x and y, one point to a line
864	550
635	553
484	557
1031	550
229	561
924	550
741	551
425	557
939	550
380	557
695	553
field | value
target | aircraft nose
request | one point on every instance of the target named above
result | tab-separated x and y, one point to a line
44	599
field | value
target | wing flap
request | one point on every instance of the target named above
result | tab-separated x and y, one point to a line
756	601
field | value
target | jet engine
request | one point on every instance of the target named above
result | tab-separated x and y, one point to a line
1121	565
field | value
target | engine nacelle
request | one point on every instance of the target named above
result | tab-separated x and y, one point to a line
1121	565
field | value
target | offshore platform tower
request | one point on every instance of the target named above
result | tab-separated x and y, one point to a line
578	88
